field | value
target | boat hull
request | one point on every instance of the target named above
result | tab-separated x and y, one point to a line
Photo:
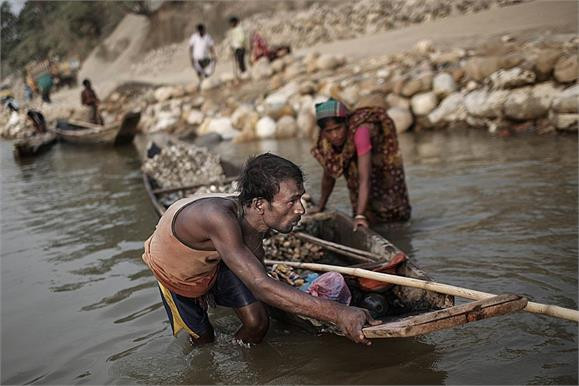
77	132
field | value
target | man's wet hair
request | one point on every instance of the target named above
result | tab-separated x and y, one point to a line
201	28
262	175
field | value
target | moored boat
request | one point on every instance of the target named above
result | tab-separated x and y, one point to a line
79	132
406	311
34	145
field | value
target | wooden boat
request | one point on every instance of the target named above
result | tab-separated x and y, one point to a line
118	133
408	311
36	144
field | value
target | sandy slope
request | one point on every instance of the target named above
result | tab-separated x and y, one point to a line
527	19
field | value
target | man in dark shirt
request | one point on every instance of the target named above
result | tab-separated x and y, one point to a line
89	98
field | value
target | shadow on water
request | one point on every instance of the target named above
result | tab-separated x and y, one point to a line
288	356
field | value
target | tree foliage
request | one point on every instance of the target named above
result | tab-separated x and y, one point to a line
57	28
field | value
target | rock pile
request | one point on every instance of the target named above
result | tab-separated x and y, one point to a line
499	86
288	247
179	165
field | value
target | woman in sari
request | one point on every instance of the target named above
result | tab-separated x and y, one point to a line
363	147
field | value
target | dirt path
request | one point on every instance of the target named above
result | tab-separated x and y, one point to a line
558	17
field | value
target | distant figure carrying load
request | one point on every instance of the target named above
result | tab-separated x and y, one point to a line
260	49
203	57
89	98
238	43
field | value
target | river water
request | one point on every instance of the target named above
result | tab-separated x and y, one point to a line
78	306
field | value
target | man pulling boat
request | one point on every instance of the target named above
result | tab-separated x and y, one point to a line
208	249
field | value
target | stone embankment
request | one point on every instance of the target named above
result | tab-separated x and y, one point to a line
505	85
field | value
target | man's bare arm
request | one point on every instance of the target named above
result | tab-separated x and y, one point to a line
222	227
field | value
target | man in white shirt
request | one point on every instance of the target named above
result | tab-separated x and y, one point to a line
238	43
203	56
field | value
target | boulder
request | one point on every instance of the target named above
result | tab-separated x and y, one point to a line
278	65
307	126
566	69
545	61
286	127
447	57
277	105
567	100
350	95
522	104
327	62
265	128
240	115
421	82
393	100
165	121
423	103
443	84
307	87
223	127
261	69
372	100
484	104
163	93
511	60
402	118
451	109
209	107
566	122
195	117
293	70
512	78
478	68
329	89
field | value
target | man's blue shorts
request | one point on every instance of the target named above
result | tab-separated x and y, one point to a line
190	314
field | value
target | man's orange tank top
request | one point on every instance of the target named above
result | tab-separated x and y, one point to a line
184	270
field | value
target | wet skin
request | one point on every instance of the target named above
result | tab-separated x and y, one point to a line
212	224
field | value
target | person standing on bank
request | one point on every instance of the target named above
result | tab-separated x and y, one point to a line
208	248
202	50
362	146
238	43
89	98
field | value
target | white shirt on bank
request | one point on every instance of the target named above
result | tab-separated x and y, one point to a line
200	45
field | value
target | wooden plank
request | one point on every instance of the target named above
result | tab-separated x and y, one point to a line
448	318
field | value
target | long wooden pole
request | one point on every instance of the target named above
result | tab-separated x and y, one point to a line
537	308
335	246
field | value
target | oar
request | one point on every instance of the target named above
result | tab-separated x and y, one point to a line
538	308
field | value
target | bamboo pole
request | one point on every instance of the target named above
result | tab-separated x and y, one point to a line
333	246
537	308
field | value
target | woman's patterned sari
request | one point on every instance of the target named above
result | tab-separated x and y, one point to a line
388	199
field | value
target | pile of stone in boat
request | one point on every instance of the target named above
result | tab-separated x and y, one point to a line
179	165
288	247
